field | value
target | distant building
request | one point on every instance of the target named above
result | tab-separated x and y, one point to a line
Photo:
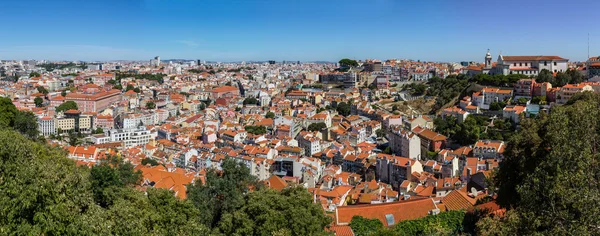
593	67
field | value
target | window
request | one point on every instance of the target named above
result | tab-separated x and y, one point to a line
515	64
555	63
520	64
545	63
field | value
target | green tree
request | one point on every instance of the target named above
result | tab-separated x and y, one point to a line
380	133
522	101
26	124
42	90
63	93
38	101
68	105
150	105
256	130
575	75
317	126
343	108
99	131
497	106
270	115
250	100
348	63
44	193
129	87
223	192
74	139
266	212
8	112
34	74
545	76
562	79
549	159
363	226
150	161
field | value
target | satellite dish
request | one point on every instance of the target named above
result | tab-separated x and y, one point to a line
474	191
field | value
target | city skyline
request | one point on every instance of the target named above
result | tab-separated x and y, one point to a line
307	31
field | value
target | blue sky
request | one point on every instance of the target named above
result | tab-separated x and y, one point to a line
305	30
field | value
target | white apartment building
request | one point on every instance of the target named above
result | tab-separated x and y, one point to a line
46	126
132	121
129	137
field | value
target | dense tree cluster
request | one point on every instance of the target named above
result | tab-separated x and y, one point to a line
445	223
256	130
348	63
549	179
344	108
68	105
474	128
23	121
317	126
44	193
250	101
55	66
154	77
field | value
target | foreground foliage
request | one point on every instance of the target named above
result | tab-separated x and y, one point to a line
549	178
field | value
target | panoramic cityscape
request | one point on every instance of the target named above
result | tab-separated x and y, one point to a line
258	118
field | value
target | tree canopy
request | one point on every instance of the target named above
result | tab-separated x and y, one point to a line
549	178
68	105
348	63
44	193
270	115
343	108
317	126
256	130
250	100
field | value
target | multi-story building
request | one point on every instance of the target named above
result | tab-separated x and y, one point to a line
129	137
94	102
486	96
46	126
393	169
524	88
489	149
566	92
593	67
73	120
530	65
404	143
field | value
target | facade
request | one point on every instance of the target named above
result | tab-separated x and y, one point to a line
489	149
530	65
486	96
566	92
593	67
524	88
46	126
94	102
129	137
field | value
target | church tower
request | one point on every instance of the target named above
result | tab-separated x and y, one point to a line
488	60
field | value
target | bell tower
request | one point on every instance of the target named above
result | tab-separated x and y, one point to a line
488	60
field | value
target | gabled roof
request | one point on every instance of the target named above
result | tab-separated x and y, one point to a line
399	211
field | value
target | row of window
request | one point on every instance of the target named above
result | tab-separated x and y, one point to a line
521	64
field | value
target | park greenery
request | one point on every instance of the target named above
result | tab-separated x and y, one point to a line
474	128
56	66
153	77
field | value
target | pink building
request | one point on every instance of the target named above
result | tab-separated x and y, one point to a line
94	102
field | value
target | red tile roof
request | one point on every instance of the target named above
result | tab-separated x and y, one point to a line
403	210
